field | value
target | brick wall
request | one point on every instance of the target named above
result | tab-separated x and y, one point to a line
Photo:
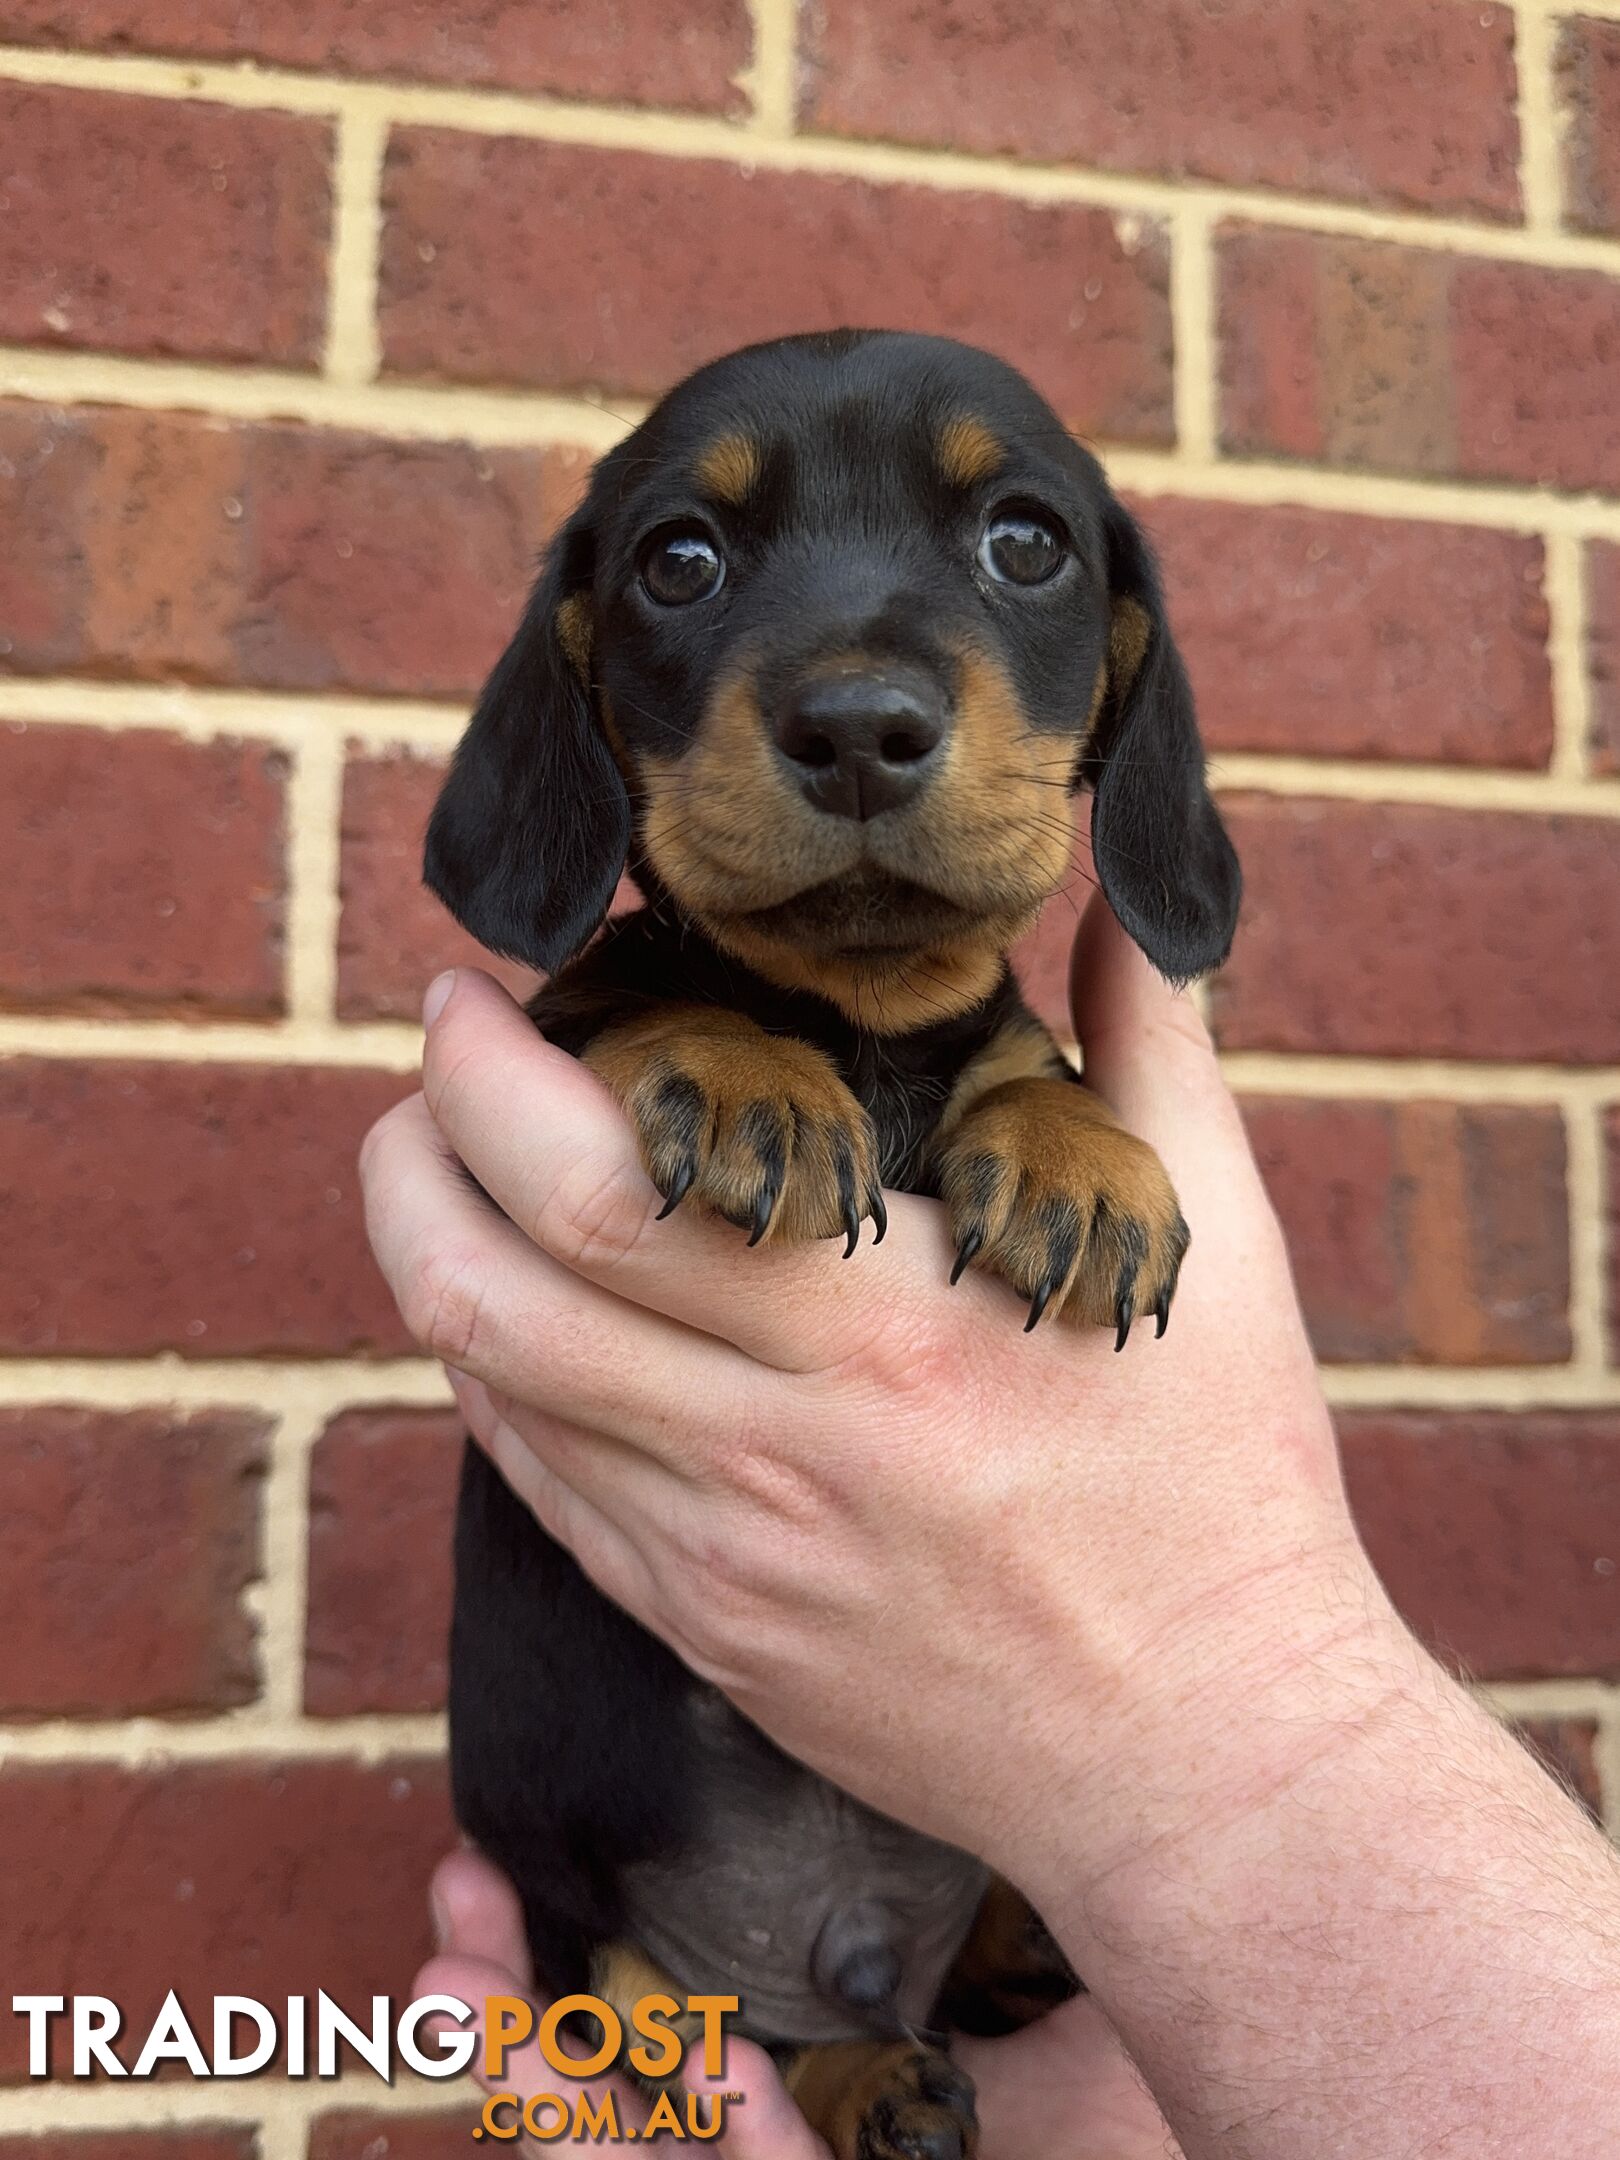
309	317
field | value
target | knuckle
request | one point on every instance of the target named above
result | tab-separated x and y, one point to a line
443	1305
594	1219
384	1136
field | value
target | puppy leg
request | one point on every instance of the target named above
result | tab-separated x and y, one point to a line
1048	1189
1008	1973
758	1127
886	2100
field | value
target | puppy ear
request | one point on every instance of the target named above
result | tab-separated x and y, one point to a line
1163	858
532	827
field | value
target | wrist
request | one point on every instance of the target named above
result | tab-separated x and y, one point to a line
1251	1688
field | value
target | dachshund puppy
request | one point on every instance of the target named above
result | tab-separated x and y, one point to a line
832	642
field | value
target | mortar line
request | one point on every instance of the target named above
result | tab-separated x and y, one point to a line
1540	181
314	727
1565	588
314	868
1588	1278
351	292
255	1734
1552	1698
284	1582
514	417
771	74
616	127
1192	316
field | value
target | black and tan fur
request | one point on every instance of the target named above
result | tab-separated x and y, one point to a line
842	779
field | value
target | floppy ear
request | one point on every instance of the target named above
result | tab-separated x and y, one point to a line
531	829
1162	854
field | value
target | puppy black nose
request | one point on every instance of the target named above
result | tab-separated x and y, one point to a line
862	744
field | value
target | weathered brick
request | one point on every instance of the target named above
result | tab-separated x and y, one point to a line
1422	1232
626	50
1413	360
162	545
394	935
1603	651
1404	930
262	1879
493	249
1394	101
153	225
1588	70
209	1209
1567	1747
203	2142
131	1536
356	2134
1311	632
141	870
381	1505
1497	1533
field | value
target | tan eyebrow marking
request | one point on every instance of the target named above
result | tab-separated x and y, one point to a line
968	450
729	469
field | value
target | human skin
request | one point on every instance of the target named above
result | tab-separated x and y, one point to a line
1128	1648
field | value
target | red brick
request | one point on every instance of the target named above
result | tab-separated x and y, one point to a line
626	50
394	935
354	2134
1589	85
161	545
220	1878
1401	930
381	1507
1309	632
1412	360
1603	651
1422	1232
494	250
1497	1533
1567	1747
140	1608
141	870
151	225
208	1209
1396	101
1612	1182
201	2143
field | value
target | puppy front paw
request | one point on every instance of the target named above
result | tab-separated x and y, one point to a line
759	1128
1048	1190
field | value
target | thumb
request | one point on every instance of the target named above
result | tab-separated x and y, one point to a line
1148	1054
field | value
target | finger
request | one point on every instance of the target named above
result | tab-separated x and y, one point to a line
761	2121
524	2070
548	1142
478	1295
602	1500
476	1913
1148	1054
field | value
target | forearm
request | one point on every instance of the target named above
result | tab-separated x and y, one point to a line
1379	1929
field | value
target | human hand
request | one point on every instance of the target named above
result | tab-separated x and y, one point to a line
790	1467
1065	2079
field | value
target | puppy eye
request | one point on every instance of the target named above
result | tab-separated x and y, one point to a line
1021	548
680	565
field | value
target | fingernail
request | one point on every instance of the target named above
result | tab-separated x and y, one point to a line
438	996
441	1920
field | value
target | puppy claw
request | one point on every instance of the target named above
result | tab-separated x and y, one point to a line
965	1254
1161	1314
1123	1316
852	1226
879	1213
1038	1303
764	1209
679	1186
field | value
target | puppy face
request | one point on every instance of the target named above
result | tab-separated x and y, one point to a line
830	644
